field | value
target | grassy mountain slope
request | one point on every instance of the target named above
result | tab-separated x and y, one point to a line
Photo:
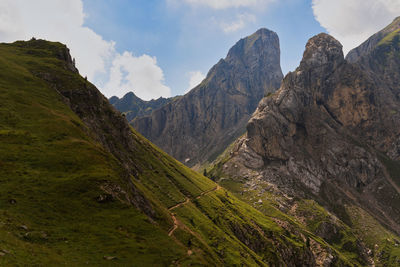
80	187
51	177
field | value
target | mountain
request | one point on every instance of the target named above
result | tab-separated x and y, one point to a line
132	106
79	186
370	45
329	137
200	125
380	56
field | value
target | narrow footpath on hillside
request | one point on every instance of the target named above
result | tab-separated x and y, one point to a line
187	200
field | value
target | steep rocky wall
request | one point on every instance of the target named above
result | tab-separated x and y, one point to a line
200	125
321	134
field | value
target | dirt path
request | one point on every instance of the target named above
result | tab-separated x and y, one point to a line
175	226
180	204
209	191
187	200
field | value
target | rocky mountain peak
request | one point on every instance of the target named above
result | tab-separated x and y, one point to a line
255	50
131	96
201	124
322	50
133	106
326	128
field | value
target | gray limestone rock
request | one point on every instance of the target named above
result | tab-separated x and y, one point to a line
200	125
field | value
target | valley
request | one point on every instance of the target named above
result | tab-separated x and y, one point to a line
249	168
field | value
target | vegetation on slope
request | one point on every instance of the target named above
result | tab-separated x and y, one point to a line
75	192
361	240
51	176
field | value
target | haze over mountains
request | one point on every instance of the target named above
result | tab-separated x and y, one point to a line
314	180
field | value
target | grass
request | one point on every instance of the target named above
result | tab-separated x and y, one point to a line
384	244
53	170
52	173
309	218
387	40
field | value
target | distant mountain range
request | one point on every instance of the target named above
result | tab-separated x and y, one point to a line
132	106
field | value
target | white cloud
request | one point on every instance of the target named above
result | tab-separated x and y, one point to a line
239	23
60	20
138	74
353	21
227	15
224	4
56	20
195	78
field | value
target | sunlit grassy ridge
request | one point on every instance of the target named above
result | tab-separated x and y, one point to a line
50	176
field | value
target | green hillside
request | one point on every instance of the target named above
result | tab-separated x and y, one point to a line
76	192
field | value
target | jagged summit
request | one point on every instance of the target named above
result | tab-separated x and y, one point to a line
321	50
131	95
255	46
254	54
263	31
201	124
133	106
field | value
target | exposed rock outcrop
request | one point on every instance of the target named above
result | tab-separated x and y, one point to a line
200	125
379	56
324	134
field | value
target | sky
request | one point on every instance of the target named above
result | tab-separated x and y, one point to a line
166	47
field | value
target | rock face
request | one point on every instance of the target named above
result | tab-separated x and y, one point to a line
198	126
379	56
132	106
331	132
